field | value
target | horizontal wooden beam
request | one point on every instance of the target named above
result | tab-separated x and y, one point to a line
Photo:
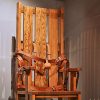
60	96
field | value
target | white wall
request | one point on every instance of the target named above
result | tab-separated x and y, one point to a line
7	30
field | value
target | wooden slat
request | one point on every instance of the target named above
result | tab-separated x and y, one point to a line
18	33
26	29
31	31
41	32
61	42
30	43
40	43
62	31
18	28
52	93
61	96
28	36
53	44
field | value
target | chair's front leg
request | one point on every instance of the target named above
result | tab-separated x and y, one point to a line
79	96
77	79
73	81
26	85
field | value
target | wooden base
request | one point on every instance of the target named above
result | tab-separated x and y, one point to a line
53	94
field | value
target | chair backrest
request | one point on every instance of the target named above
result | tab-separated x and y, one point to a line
40	32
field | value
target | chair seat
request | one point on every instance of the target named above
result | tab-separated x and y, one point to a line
52	94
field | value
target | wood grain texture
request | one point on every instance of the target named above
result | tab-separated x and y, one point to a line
62	31
18	26
61	42
41	32
27	42
26	29
40	43
53	45
18	34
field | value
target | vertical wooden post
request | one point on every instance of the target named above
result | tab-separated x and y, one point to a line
16	96
27	42
73	81
30	96
26	85
79	96
62	30
33	97
18	38
53	44
61	40
18	28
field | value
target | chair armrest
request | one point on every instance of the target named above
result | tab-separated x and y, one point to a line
73	69
74	77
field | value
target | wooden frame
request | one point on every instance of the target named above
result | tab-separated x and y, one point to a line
26	51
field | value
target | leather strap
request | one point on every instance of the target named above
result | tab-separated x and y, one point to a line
29	57
34	88
54	88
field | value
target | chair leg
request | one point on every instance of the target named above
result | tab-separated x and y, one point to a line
16	96
79	96
33	97
26	96
59	98
30	96
69	98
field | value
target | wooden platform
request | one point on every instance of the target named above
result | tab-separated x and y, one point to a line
52	94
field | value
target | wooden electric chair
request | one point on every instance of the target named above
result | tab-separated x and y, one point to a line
42	70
